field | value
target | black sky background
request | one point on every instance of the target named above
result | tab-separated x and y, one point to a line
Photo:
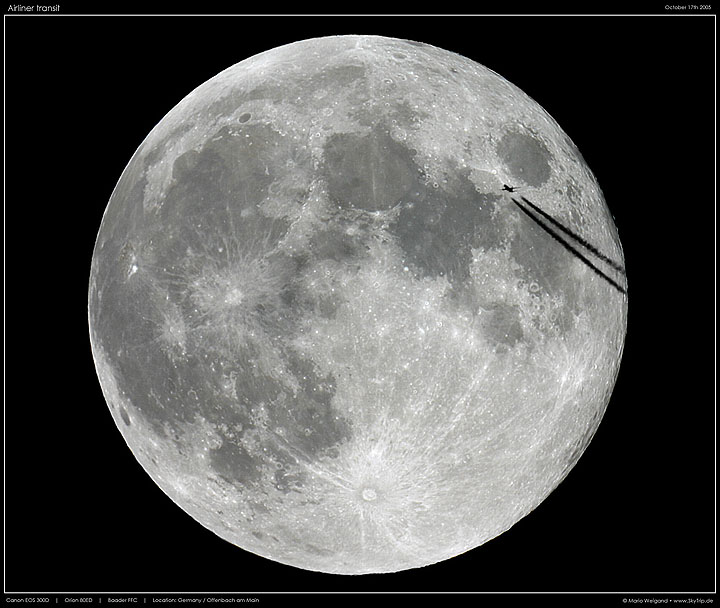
636	95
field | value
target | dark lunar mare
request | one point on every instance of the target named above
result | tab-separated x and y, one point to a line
203	224
437	224
526	157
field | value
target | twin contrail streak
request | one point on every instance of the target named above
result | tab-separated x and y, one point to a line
573	236
569	247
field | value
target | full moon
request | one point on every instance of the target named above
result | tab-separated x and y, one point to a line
331	323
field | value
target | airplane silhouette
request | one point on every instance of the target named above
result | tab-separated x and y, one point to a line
509	188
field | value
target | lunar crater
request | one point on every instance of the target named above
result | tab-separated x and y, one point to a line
369	494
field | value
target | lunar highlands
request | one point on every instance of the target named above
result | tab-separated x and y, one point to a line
323	327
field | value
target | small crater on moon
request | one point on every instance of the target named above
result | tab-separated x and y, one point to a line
369	494
244	117
124	416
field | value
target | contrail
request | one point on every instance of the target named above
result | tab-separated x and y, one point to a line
567	246
575	237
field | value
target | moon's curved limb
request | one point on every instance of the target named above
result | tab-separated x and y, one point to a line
322	330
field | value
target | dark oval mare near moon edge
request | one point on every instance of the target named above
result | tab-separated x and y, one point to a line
278	323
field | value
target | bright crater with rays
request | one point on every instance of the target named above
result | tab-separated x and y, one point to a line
323	328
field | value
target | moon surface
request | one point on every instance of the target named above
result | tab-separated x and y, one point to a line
326	331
